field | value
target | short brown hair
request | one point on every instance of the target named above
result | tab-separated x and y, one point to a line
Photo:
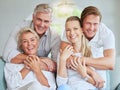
88	11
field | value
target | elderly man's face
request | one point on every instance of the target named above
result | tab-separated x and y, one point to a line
41	22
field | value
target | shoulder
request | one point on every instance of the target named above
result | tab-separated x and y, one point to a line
103	29
63	44
54	33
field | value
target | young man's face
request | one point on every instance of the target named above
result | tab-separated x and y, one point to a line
90	26
41	22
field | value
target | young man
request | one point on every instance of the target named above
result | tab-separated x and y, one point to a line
101	40
49	40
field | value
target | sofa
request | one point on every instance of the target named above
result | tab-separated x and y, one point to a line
2	79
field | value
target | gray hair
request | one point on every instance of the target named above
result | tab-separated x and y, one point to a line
21	32
43	8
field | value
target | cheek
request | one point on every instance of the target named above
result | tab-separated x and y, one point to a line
23	47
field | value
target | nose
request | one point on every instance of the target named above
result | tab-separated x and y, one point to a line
29	43
42	24
92	27
72	32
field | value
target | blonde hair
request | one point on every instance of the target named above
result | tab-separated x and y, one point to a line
23	31
85	49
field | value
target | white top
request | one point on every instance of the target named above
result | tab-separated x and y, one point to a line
103	40
49	42
74	79
14	79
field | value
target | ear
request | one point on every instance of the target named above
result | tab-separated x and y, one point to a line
60	50
33	16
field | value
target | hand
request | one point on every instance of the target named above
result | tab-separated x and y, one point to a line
78	66
33	62
68	51
99	81
68	62
52	66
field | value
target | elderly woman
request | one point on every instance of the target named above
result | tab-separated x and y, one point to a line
28	75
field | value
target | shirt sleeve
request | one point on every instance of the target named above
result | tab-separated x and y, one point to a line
12	75
108	38
10	50
61	80
55	45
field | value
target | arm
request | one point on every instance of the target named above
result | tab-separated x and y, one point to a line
64	55
12	75
62	69
10	50
19	58
52	66
105	63
99	81
22	57
24	72
80	67
34	63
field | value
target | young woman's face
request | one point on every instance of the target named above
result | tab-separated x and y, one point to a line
73	31
29	43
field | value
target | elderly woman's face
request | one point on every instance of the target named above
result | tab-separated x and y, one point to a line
73	31
29	43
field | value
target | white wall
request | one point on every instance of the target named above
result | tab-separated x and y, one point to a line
12	12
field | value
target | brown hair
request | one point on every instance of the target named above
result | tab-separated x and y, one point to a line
88	11
86	51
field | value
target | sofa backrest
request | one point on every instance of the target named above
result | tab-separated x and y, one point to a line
2	79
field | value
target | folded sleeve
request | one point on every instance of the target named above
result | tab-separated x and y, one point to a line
12	76
61	80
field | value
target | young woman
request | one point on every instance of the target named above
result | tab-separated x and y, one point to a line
76	74
28	75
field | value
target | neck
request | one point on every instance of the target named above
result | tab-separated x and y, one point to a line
77	47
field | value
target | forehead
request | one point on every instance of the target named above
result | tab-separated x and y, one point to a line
26	35
92	18
73	23
43	15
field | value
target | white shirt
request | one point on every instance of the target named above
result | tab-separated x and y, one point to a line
103	40
49	42
14	79
74	79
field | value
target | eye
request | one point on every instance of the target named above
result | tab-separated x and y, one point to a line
33	39
46	21
67	30
75	28
24	41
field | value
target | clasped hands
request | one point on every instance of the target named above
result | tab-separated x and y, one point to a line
33	62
